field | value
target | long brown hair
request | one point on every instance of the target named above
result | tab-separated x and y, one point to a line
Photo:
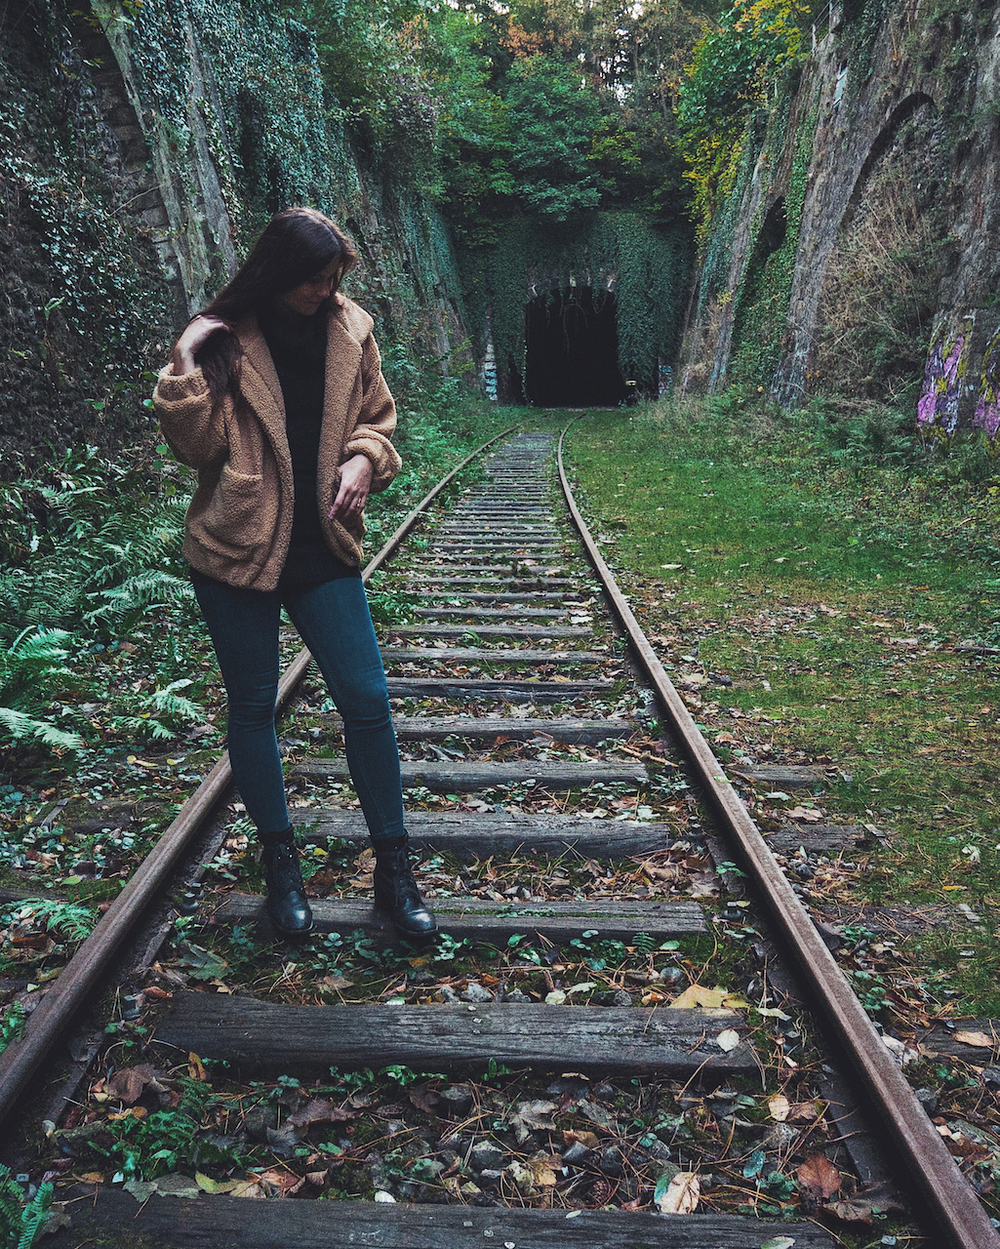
295	245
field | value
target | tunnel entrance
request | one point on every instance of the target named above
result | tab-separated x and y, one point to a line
571	342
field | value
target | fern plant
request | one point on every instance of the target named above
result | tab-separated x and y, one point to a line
70	920
29	671
21	1222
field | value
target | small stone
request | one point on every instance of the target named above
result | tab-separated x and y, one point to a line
611	1161
486	1156
577	1153
991	1075
621	998
928	1099
448	994
456	1100
257	1122
781	1136
515	995
476	993
671	975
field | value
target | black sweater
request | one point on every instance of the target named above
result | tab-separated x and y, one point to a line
298	349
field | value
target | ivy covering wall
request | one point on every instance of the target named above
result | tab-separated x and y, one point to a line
142	147
645	265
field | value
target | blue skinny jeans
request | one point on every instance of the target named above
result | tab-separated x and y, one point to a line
334	622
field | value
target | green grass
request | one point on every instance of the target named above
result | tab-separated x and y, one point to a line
832	590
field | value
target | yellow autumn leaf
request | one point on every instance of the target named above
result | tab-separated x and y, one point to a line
697	995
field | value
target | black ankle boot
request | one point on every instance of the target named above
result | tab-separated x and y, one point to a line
287	903
396	891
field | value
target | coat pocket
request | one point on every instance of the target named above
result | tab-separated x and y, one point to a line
234	521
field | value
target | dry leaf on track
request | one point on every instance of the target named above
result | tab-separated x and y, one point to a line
819	1177
680	1196
779	1107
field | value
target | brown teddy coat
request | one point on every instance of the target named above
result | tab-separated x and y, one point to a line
239	523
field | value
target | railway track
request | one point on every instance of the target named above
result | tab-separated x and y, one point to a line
575	1055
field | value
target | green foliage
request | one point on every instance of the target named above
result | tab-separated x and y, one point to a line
68	920
552	118
733	71
168	1139
12	1024
92	550
21	1221
765	292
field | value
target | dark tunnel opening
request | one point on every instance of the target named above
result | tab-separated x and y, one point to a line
572	350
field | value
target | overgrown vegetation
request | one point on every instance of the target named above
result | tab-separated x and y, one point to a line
845	581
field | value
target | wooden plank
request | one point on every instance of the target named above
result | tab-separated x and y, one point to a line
428	728
492	613
949	1043
433	629
468	654
481	919
634	1041
230	1223
480	836
450	778
817	838
503	688
558	600
790	776
526	582
524	567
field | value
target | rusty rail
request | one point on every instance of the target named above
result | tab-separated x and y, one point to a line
67	995
922	1155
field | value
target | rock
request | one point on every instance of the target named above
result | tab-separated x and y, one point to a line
456	1100
576	1154
928	1099
486	1156
448	994
621	998
515	995
474	992
611	1161
991	1076
781	1137
258	1122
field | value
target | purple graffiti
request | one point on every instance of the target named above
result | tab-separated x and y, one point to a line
939	401
987	415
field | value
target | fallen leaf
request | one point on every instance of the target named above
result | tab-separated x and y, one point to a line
804	1112
804	813
819	1176
681	1196
589	1140
196	1068
318	1110
536	1115
850	1211
127	1085
779	1107
544	1170
779	1242
336	983
727	1040
979	1039
696	995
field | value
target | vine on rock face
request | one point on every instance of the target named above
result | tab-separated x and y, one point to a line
734	69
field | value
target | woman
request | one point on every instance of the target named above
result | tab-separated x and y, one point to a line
275	394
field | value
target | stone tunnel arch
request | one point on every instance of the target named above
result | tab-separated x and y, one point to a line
571	349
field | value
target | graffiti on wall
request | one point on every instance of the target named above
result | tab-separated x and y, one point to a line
943	375
987	415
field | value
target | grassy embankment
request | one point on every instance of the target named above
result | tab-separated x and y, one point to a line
837	587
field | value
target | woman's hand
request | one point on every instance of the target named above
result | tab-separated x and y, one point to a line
355	482
194	337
